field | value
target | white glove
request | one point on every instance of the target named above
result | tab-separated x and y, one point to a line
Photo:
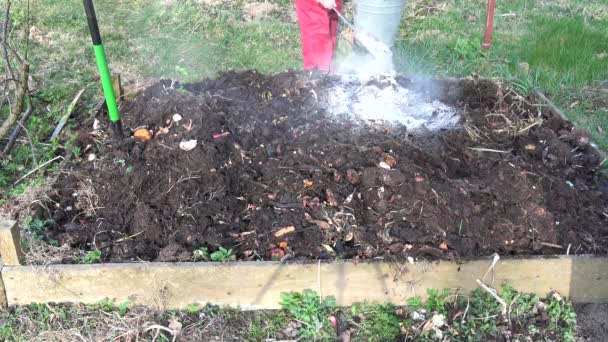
329	4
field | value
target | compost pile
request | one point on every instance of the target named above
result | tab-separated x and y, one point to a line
256	164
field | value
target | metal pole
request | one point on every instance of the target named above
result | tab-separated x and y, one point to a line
104	71
487	41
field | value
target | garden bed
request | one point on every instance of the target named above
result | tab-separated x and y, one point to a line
274	175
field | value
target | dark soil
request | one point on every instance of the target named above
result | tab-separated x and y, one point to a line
592	322
268	157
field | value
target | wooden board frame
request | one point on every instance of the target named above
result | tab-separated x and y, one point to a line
258	285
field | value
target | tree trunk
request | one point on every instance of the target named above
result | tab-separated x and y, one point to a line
19	102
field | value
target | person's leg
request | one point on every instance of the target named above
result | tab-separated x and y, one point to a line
317	46
334	21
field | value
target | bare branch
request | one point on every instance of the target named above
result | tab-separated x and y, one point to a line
7	62
19	100
17	129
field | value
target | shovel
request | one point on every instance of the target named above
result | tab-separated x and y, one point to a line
375	47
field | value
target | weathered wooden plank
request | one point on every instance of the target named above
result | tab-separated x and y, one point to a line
257	285
10	243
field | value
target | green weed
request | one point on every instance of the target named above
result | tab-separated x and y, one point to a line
192	309
201	254
222	255
313	312
109	305
437	301
377	322
91	257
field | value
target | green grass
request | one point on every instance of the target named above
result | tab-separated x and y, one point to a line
559	40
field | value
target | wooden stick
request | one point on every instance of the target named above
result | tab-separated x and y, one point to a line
481	149
64	119
36	169
10	243
492	292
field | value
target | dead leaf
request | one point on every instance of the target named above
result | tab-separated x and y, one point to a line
574	104
285	230
308	183
283	244
322	224
331	199
175	325
163	130
328	249
443	246
428	326
599	129
602	55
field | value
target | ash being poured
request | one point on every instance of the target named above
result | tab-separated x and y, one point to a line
382	98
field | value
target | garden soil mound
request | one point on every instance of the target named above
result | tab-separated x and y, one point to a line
273	175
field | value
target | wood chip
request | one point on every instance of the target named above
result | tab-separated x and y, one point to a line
285	230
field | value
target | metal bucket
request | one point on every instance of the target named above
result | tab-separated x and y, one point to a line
380	18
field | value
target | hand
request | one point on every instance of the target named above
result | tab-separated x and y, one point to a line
328	4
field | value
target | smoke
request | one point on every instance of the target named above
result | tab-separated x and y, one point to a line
369	91
364	66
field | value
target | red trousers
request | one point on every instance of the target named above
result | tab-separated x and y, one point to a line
319	29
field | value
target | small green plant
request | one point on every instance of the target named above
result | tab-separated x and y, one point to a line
415	304
182	71
37	229
109	305
91	257
313	312
527	84
377	322
562	317
106	305
192	309
75	151
201	254
222	255
437	301
466	49
123	308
